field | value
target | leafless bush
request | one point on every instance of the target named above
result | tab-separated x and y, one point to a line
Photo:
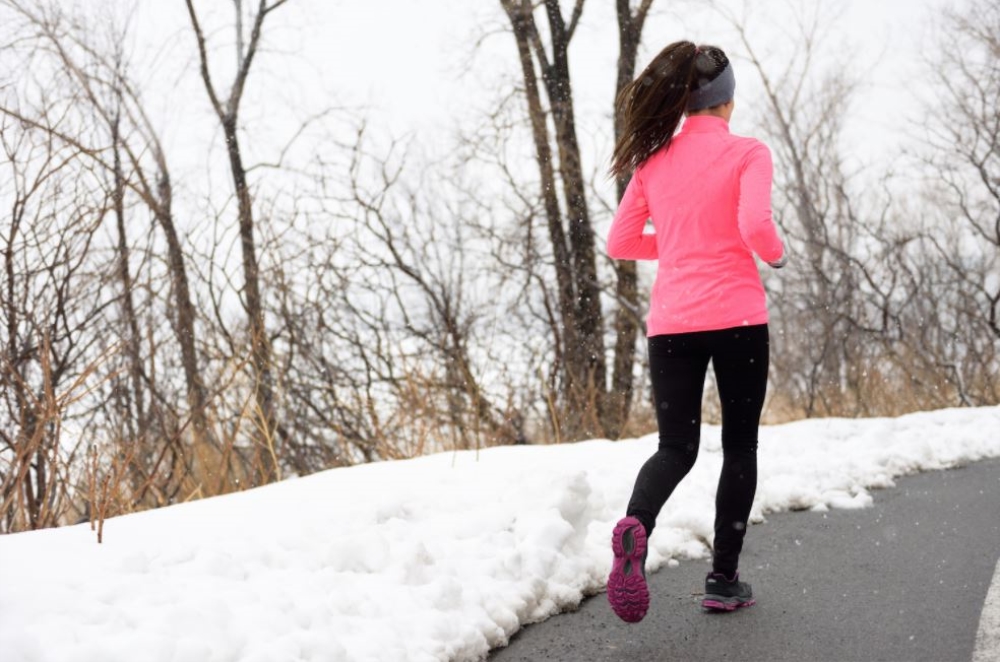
961	232
49	311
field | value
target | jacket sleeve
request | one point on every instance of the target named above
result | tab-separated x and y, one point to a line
754	215
626	239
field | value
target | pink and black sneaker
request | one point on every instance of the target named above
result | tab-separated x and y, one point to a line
724	594
628	594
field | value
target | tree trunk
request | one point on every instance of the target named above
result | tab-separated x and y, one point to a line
587	398
584	371
197	396
260	345
627	322
567	354
127	300
588	408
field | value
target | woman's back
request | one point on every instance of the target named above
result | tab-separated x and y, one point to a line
708	195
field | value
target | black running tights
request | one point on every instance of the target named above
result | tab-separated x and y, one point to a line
678	364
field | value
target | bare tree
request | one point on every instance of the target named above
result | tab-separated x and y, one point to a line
589	406
227	110
963	155
803	116
137	164
875	315
389	321
91	108
433	279
49	309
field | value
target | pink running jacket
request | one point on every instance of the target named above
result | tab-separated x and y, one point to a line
709	197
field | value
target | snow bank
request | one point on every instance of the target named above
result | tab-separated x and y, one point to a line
437	558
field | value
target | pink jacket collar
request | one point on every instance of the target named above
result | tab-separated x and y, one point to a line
704	124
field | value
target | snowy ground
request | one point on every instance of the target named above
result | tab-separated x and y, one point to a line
438	558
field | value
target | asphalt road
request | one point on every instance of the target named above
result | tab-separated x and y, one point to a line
904	580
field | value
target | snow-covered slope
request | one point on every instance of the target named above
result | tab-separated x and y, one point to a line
438	558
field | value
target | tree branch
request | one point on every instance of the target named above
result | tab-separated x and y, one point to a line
206	77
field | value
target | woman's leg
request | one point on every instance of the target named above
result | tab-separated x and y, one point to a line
677	364
740	359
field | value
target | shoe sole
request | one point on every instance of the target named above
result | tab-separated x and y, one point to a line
721	603
628	593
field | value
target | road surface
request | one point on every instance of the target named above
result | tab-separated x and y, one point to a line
906	579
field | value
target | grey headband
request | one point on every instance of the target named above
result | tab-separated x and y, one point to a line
717	91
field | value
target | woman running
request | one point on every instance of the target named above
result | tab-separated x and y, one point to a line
708	195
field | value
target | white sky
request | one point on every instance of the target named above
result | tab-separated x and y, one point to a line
438	558
405	58
416	69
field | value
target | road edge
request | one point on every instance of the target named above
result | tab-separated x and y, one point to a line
988	636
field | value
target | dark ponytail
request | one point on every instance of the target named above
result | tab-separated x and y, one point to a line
652	105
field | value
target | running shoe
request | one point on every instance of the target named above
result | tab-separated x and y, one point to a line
724	594
627	590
